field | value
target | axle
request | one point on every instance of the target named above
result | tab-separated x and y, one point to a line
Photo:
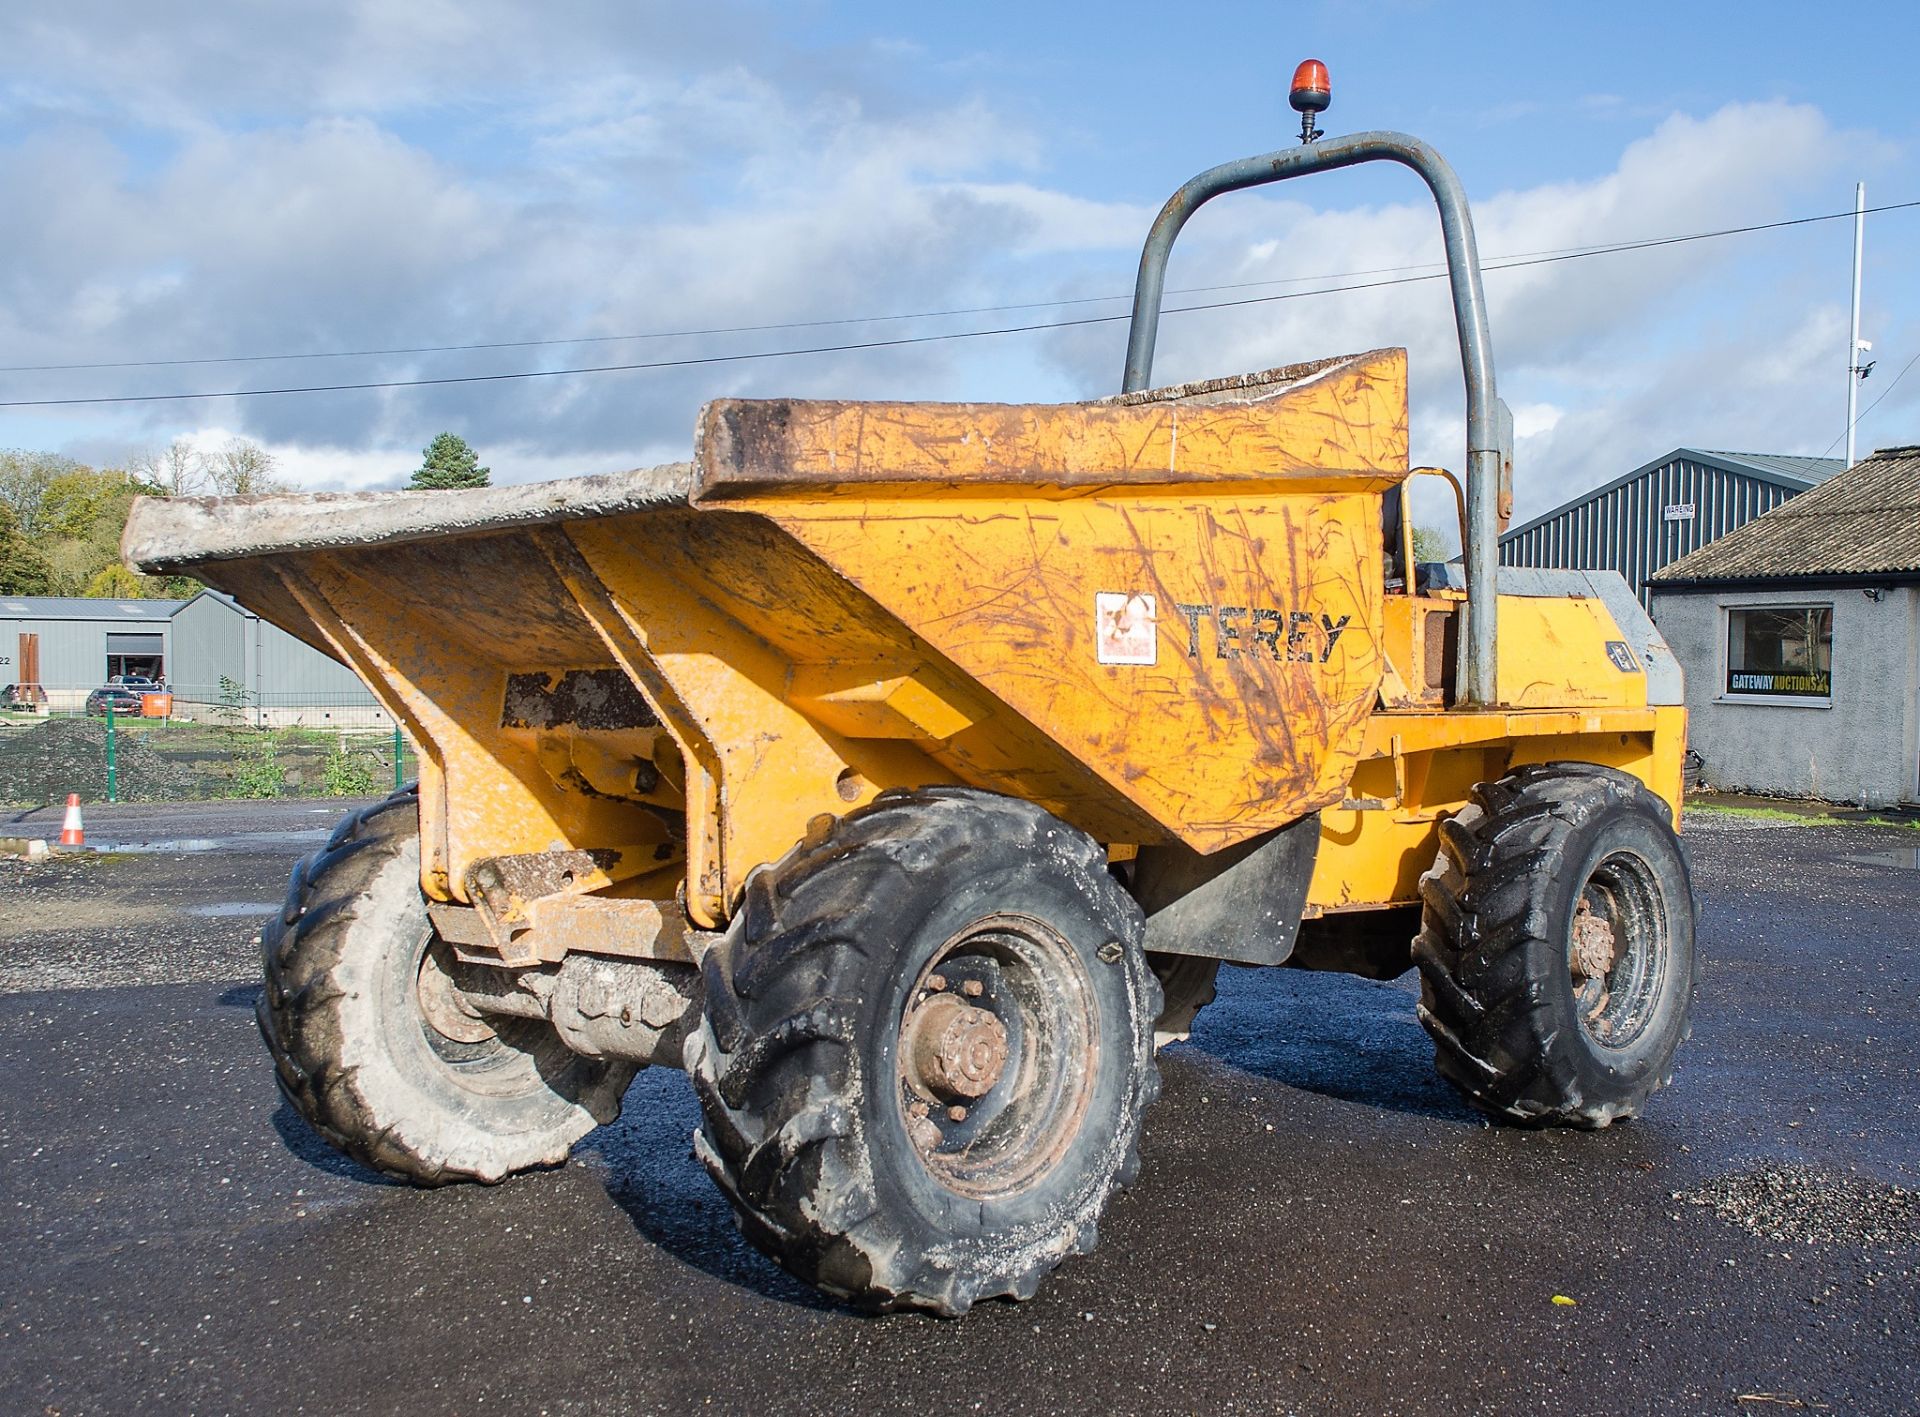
636	1010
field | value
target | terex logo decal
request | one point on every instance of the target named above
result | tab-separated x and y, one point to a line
1295	635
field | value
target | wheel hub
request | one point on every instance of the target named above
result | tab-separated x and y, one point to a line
1596	945
954	1050
445	1012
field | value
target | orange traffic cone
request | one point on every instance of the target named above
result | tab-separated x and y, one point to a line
71	832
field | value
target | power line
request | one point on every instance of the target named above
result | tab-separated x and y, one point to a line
1872	406
1572	254
688	333
1591	249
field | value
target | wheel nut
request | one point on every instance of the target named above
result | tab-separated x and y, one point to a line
936	982
956	1113
972	988
925	1135
918	1109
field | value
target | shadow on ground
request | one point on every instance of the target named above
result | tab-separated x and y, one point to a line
1340	1036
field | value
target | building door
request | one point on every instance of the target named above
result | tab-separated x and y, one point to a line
136	657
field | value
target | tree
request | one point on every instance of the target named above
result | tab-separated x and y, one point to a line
114	581
450	463
23	570
1430	544
84	505
243	469
24	478
66	541
179	468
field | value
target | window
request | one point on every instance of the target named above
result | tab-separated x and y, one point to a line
1781	651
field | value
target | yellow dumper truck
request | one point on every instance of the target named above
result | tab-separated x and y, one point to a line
904	772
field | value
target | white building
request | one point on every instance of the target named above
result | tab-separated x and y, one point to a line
1800	636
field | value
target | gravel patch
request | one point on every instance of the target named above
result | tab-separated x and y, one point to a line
1804	1205
108	921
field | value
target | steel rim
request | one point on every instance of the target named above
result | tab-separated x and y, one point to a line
501	1062
997	1057
1618	951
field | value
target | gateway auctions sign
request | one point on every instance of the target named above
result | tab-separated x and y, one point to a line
1805	683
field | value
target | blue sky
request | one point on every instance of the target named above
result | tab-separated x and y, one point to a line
239	179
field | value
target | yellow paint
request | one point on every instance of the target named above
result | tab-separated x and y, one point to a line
1553	653
1310	435
1161	620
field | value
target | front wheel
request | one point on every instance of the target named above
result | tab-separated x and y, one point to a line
927	1046
1556	946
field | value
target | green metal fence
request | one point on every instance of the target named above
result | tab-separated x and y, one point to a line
109	747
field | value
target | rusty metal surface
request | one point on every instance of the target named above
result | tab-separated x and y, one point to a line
1489	424
954	1051
446	1010
637	928
559	926
503	887
1594	946
997	1058
168	533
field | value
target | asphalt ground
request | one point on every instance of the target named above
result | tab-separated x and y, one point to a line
1319	1227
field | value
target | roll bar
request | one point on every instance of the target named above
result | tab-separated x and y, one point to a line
1489	427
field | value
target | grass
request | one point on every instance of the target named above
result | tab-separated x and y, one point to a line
1808	816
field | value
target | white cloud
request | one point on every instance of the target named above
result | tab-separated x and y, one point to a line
1607	360
332	183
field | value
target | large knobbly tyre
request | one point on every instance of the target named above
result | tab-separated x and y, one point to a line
1556	946
347	963
926	1050
1188	983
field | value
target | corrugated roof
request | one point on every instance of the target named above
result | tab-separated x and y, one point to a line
1812	471
74	607
1864	521
1787	470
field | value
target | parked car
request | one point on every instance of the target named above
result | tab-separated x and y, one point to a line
123	697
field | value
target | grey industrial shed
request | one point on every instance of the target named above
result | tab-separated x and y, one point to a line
1800	637
81	643
209	649
1661	511
218	643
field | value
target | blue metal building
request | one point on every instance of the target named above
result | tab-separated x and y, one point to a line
1661	511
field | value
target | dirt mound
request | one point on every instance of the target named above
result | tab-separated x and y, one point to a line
45	762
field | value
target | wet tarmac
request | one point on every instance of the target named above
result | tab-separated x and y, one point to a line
1320	1226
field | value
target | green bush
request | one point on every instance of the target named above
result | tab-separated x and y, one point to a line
256	770
349	774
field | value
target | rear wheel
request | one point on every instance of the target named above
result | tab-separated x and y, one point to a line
371	1044
926	1051
1556	946
1188	983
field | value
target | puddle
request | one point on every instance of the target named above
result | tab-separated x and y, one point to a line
1906	858
244	841
234	907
